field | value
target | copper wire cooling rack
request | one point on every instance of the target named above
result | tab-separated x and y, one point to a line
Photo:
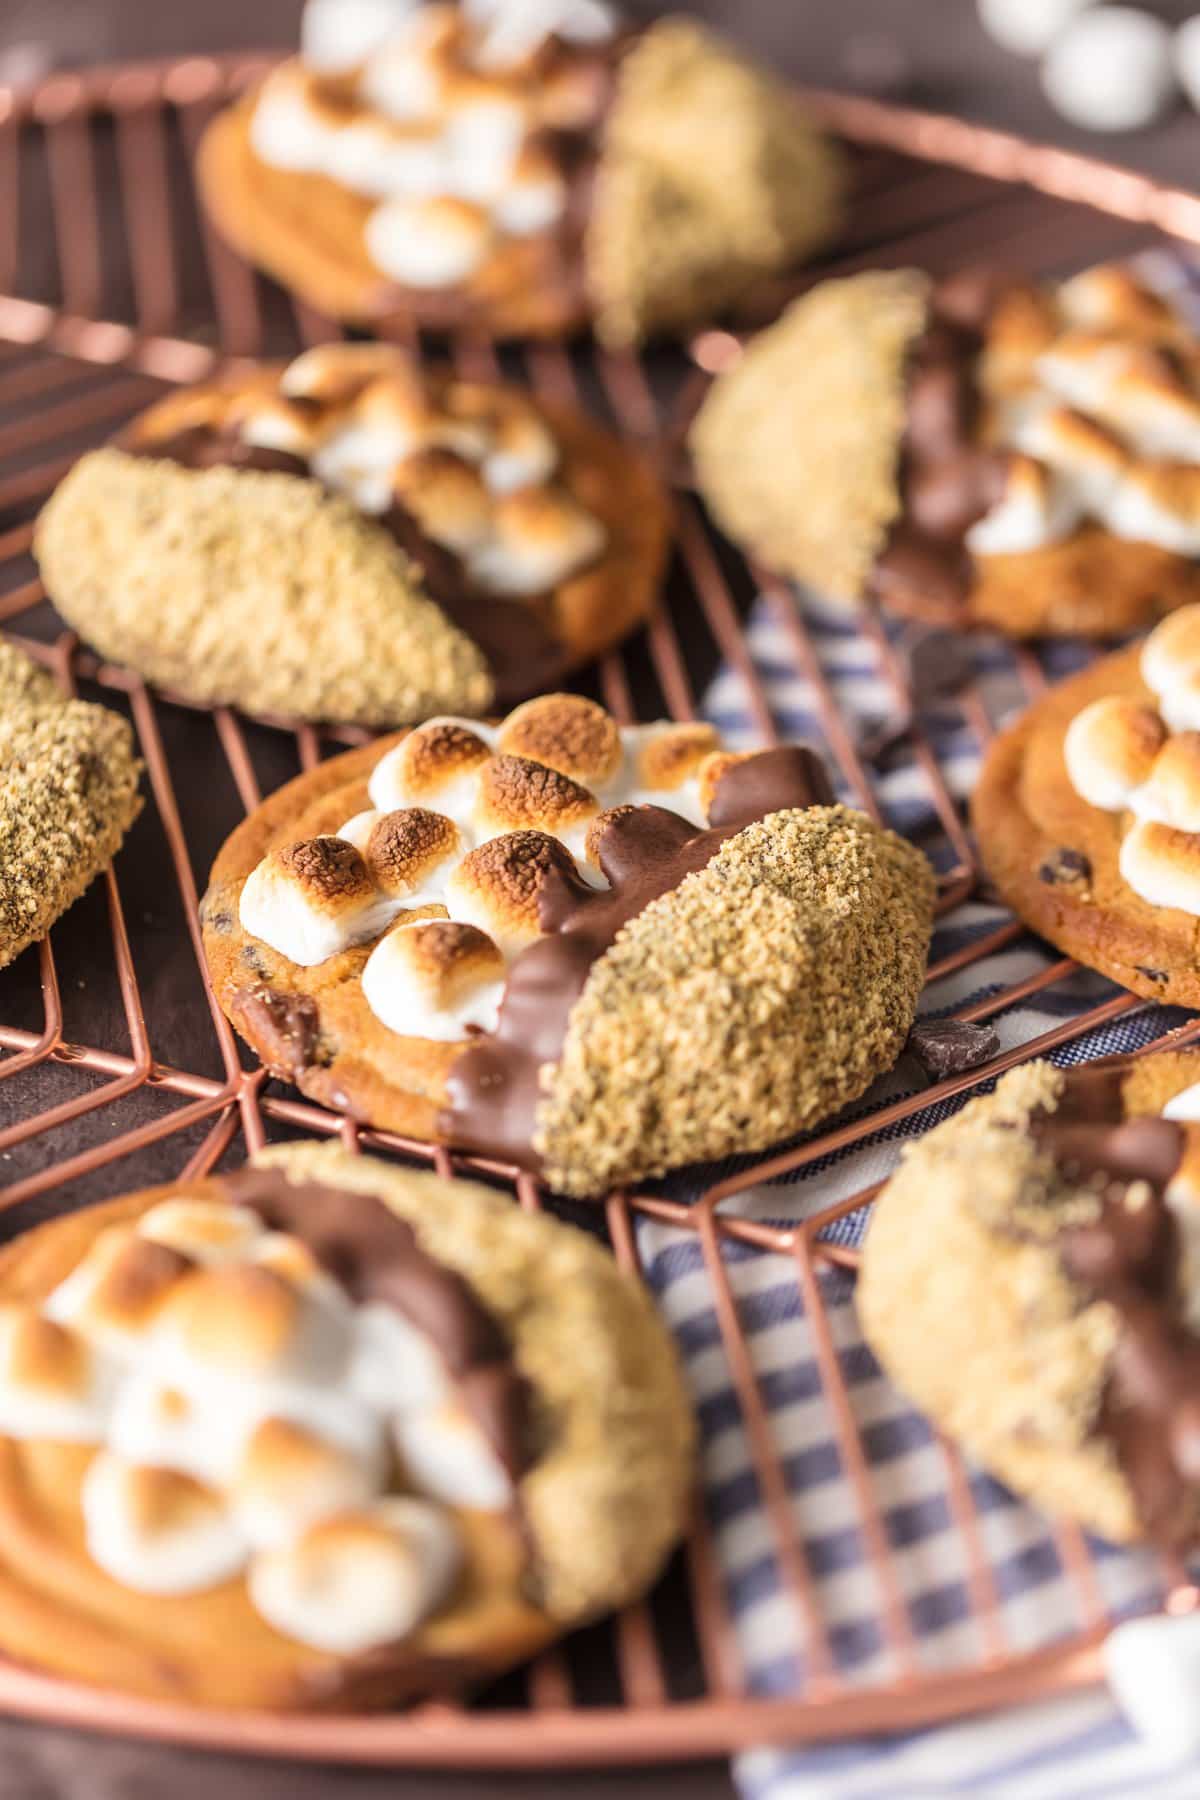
116	1069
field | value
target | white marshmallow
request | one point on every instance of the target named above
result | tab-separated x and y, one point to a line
1162	865
205	1230
525	461
402	81
525	557
394	1367
357	460
1187	59
361	1580
1171	657
357	831
1109	750
285	133
1153	1669
531	203
337	35
483	138
407	1005
288	1478
1027	27
1036	508
1137	512
455	796
156	1531
163	1425
1087	461
1110	69
445	1456
274	908
511	30
53	1384
427	243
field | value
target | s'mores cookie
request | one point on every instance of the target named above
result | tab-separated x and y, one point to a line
1030	1279
976	450
596	951
358	538
68	795
521	171
1088	813
323	1433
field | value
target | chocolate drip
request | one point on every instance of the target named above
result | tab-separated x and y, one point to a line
375	1256
1129	1257
948	480
514	635
493	1090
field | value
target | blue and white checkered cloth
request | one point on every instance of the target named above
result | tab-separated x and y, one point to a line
1077	1749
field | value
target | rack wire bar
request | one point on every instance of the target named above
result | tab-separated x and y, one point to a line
117	1068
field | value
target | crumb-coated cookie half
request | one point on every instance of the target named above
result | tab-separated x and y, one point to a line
1088	813
358	537
324	1433
978	451
1031	1280
68	795
519	171
597	952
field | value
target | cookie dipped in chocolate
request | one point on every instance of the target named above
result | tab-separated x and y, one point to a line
494	1086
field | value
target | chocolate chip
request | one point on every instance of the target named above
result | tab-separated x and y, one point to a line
1152	974
1063	866
939	666
950	1046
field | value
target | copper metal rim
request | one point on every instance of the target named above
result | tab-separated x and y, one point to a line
89	340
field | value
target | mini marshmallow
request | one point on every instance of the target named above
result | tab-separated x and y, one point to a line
394	1367
1109	750
497	886
522	450
1172	791
338	35
1187	59
291	1258
437	765
1111	298
244	1321
1162	865
285	132
358	1580
541	536
289	1477
1110	69
404	78
53	1385
1153	1669
434	243
357	831
410	852
447	497
1169	655
509	34
1156	413
1158	504
1087	458
517	794
357	459
445	1456
484	130
310	900
208	1231
535	197
1036	508
438	979
336	373
271	423
670	755
115	1293
712	769
165	1425
568	733
156	1530
1027	27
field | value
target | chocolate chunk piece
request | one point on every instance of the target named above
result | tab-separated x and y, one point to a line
1064	866
946	1047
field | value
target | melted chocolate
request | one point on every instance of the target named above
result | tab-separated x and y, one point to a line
375	1256
514	635
1129	1257
493	1090
948	481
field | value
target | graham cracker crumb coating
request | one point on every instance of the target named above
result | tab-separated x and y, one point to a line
797	447
608	1494
711	178
964	1300
222	584
68	796
763	993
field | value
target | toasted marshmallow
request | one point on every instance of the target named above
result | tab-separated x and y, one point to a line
1159	503
437	978
205	1230
497	886
359	457
310	900
1171	793
1109	750
338	35
1170	665
394	1367
167	1426
360	1579
289	1477
1081	368
404	78
445	1456
271	424
521	451
517	794
711	771
447	497
437	765
540	537
335	373
535	197
509	34
367	157
1036	508
565	732
485	126
115	1294
285	131
157	1530
1082	453
291	1258
247	1322
1111	298
434	243
1024	324
1162	864
53	1384
1155	412
357	831
669	756
410	852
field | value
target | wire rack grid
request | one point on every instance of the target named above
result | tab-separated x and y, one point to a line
116	1066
